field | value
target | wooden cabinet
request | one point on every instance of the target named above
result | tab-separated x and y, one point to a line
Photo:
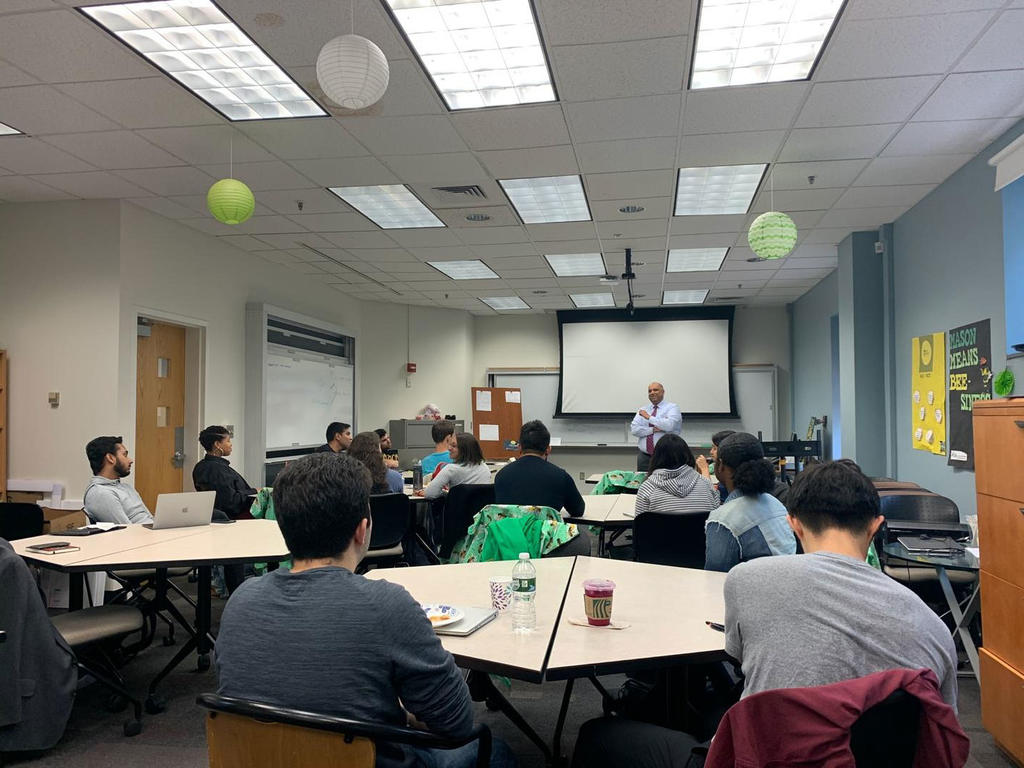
999	470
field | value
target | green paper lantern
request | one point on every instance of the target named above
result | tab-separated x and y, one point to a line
230	201
1004	383
772	235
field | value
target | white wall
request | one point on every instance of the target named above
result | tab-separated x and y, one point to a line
513	341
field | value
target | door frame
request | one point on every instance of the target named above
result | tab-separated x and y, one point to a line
195	378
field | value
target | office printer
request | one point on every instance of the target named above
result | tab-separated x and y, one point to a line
893	529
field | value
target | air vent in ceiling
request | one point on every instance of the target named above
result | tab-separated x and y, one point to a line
728	298
461	192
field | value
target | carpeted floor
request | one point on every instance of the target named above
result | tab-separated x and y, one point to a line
176	737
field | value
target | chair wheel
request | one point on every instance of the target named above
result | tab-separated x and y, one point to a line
203	662
168	641
132	727
116	703
155	705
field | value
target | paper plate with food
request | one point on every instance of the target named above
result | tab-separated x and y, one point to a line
441	615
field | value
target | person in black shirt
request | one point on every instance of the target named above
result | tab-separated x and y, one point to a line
390	454
339	438
532	479
214	473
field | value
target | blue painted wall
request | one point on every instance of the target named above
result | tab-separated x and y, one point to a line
1013	264
812	354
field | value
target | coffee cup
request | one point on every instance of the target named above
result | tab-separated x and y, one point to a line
597	601
501	593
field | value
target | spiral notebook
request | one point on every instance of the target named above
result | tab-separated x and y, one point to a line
472	621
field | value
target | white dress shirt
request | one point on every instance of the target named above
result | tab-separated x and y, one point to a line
669	420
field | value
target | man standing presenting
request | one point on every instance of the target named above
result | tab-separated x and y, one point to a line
650	424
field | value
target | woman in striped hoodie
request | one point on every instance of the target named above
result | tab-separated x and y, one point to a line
674	486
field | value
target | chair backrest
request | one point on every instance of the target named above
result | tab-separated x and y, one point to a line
665	539
461	506
393	520
885	484
249	734
20	521
919	506
885	736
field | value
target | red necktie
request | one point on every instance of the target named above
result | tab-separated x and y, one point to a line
650	437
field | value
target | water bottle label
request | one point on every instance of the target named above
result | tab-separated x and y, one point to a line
524	585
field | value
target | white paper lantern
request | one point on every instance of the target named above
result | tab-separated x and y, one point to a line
352	71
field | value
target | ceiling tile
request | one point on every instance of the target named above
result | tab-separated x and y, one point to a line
573	230
333	222
170	181
314	200
864	102
264	225
10	75
653	208
303	138
906	45
565	23
207	145
714	240
150	102
862	141
440	169
501	215
23	154
862	217
885	9
405	135
627	155
946	138
999	47
41	109
19	189
527	163
114	150
512	127
63	47
260	176
748	108
608	70
810	199
615	186
976	95
707	225
347	171
638	228
245	242
826	235
409	93
826	173
424	238
634	118
494	236
169	209
931	169
92	185
705	149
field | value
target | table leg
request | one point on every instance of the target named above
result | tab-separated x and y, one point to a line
75	583
199	639
481	688
963	619
556	742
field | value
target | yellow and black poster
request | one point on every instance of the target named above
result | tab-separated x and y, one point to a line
970	379
928	381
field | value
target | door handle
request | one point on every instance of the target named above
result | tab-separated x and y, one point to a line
1019	423
178	459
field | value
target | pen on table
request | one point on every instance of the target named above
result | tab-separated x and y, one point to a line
716	626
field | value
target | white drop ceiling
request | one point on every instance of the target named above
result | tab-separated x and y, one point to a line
903	95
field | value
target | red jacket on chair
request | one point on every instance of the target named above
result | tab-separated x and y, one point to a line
811	726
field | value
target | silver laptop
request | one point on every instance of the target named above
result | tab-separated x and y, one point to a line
183	510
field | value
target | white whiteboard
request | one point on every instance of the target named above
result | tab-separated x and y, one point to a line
755	390
304	393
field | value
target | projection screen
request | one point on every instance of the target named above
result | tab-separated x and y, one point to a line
609	358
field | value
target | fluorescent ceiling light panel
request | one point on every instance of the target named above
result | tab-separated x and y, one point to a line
717	190
743	42
479	54
696	259
547	199
389	206
505	302
684	297
576	264
200	47
464	270
6	130
587	300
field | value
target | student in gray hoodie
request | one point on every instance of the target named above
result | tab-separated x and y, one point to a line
674	486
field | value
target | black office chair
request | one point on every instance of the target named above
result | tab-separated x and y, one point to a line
20	521
918	506
247	734
885	736
393	531
461	506
664	539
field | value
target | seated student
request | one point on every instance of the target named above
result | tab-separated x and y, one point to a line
214	473
365	447
673	485
532	479
320	638
339	438
389	453
751	523
805	620
443	435
467	466
716	440
107	499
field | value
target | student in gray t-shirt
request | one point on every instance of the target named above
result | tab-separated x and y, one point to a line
322	638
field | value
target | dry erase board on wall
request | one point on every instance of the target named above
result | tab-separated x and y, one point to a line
305	393
754	387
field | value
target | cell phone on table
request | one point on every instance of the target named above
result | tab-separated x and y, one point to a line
716	626
49	547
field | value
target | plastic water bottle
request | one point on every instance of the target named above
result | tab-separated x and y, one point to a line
417	475
524	593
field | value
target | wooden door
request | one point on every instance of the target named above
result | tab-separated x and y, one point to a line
497	410
159	413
